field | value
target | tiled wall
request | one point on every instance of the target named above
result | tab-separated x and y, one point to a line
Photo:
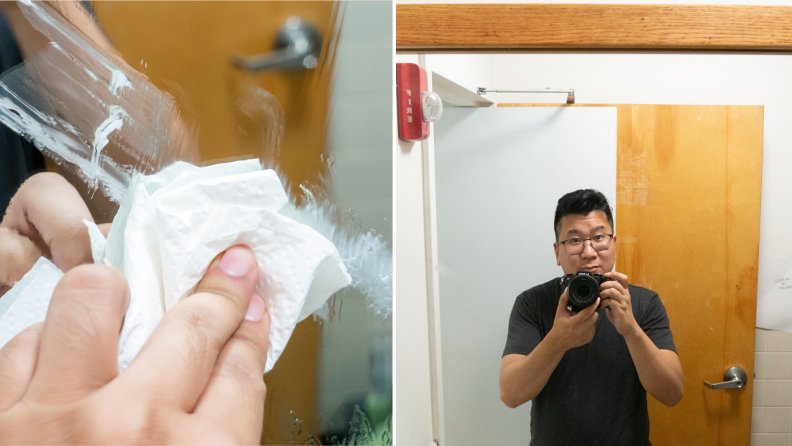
771	418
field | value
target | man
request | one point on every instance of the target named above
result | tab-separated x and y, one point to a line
588	372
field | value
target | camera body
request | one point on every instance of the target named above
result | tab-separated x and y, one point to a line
582	288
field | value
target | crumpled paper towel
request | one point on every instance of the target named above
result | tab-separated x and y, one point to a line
172	224
27	302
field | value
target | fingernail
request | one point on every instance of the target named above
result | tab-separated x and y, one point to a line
255	310
237	261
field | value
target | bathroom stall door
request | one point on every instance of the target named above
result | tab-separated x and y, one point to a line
187	49
498	176
687	210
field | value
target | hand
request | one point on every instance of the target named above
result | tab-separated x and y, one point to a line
199	378
615	297
574	330
45	218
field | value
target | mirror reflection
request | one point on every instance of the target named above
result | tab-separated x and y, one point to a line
631	200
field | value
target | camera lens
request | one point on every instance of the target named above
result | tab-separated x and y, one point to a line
583	291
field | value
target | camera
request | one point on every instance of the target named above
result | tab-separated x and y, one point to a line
583	288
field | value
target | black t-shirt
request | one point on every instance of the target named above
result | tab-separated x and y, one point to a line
594	395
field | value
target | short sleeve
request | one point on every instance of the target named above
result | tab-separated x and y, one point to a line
524	333
654	322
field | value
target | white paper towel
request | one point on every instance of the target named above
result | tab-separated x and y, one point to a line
171	225
27	302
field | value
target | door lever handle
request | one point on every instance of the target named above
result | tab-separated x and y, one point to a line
297	47
734	378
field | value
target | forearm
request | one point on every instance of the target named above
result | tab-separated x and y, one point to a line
523	378
659	370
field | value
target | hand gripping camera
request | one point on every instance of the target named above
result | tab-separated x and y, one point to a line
583	288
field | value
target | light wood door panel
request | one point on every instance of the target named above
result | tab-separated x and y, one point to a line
185	48
687	220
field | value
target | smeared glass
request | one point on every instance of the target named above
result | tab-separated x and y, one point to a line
327	132
83	106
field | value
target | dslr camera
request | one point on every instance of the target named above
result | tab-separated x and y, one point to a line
583	288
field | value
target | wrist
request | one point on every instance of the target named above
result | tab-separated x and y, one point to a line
634	332
555	341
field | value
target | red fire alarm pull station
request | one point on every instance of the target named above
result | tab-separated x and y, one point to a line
417	106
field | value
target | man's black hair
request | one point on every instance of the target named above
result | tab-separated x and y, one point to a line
581	202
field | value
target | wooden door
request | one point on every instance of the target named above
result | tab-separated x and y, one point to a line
185	49
687	220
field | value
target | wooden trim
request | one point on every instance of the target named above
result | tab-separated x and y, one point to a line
498	27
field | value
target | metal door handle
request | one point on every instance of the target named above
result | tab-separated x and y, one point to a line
734	378
297	47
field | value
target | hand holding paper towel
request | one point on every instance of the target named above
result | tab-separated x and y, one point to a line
171	225
197	379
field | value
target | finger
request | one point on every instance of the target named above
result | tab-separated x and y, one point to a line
585	313
621	278
613	306
609	314
17	364
611	294
79	342
234	395
175	363
613	285
593	318
17	256
615	296
49	211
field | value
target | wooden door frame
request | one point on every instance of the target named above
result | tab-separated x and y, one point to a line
614	27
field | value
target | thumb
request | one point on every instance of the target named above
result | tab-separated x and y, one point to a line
563	302
197	327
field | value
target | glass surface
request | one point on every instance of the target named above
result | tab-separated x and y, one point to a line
327	131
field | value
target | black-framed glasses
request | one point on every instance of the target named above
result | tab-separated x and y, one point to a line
575	246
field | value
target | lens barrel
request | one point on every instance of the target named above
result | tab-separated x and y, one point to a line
583	291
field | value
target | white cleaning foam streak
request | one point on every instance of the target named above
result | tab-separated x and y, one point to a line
365	255
83	105
118	81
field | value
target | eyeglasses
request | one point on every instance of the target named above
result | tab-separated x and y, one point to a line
575	246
